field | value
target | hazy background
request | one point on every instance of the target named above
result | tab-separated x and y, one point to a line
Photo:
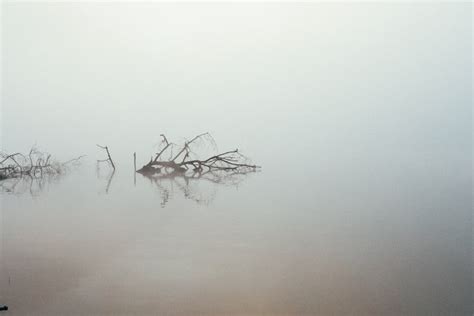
335	81
360	114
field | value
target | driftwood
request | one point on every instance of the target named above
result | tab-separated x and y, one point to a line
31	173
33	164
230	161
196	179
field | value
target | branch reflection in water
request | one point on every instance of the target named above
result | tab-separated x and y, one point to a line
27	184
107	176
196	185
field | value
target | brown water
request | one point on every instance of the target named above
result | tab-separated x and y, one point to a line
280	243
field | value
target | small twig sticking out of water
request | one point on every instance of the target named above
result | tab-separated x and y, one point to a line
109	159
135	161
135	168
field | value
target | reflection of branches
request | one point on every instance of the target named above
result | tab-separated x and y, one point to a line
191	184
28	184
164	191
109	176
109	181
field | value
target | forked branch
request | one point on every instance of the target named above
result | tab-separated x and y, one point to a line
109	158
231	160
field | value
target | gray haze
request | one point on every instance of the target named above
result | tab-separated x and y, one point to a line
360	114
330	81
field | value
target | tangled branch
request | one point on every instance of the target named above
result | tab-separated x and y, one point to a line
181	162
33	164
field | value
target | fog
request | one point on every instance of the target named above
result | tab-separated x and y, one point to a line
330	80
359	114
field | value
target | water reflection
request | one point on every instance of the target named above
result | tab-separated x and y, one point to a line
36	183
27	184
105	176
197	185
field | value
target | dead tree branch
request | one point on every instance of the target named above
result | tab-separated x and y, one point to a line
109	159
227	161
72	161
34	164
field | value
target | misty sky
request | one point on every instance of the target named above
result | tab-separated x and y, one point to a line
392	80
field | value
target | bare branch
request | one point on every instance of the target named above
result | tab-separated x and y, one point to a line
71	160
18	165
227	161
109	159
186	144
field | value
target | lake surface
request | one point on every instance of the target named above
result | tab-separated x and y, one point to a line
377	241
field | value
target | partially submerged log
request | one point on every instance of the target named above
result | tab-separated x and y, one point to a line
230	161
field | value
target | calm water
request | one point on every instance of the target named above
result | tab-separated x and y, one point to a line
377	241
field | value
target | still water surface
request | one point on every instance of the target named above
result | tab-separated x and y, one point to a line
319	241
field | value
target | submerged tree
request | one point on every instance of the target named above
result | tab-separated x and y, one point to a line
33	164
183	161
183	169
31	172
